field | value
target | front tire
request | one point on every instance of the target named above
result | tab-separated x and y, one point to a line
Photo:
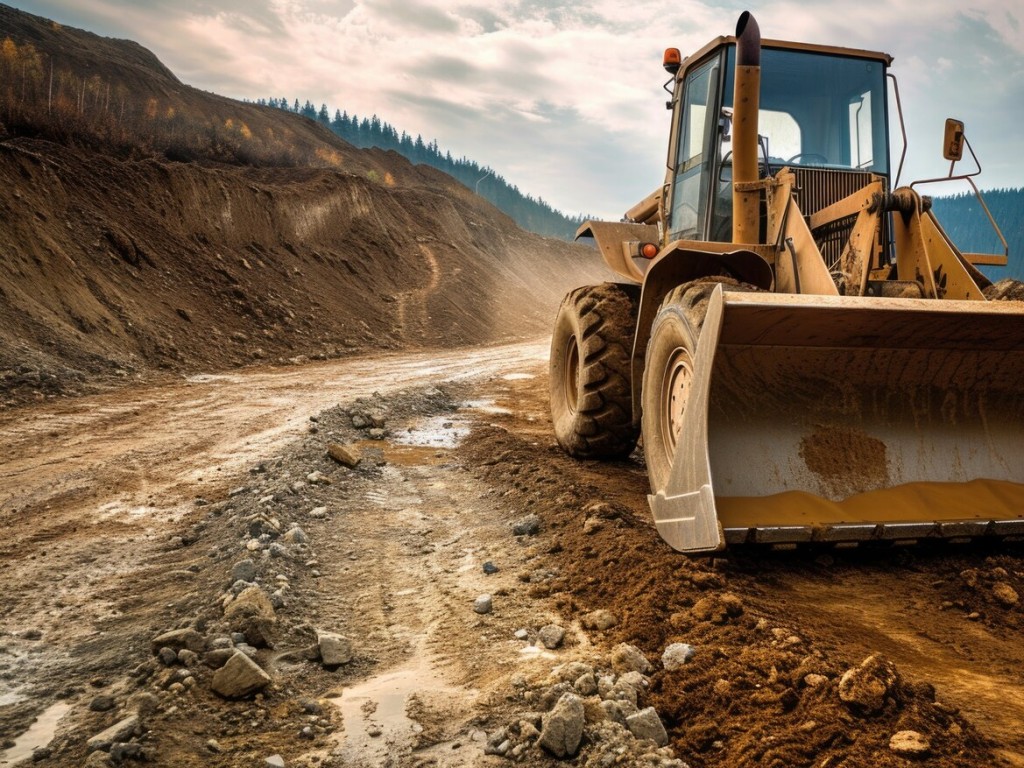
669	371
591	347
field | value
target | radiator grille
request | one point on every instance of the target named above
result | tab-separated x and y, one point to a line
818	188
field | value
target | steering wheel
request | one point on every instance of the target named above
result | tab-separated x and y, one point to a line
809	155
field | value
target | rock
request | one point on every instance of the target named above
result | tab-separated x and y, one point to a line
102	703
334	649
121	753
909	744
646	724
618	711
277	550
143	703
599	620
717	609
296	535
318	478
1005	594
521	634
218	657
551	635
213	745
239	677
592	525
814	680
629	658
97	760
562	727
252	614
346	455
187	657
167	656
274	761
243	570
676	655
527	526
490	568
586	685
119	731
867	688
483	604
177	639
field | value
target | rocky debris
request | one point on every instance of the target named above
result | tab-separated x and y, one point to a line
527	526
600	620
334	649
102	703
120	731
591	710
563	726
274	761
676	655
909	744
239	677
646	724
872	686
295	535
490	568
551	636
814	680
346	455
176	639
483	604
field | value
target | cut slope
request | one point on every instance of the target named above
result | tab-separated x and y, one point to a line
117	259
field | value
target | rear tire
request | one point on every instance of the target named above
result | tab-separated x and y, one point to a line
669	371
590	371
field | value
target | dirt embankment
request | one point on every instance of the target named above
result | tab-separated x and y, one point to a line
118	259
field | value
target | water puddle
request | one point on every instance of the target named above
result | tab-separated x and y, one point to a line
487	406
518	376
435	432
376	712
39	734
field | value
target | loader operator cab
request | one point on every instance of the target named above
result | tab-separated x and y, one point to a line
822	114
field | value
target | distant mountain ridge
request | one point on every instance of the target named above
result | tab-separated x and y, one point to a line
530	213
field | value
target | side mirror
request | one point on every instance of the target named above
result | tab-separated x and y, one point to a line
953	143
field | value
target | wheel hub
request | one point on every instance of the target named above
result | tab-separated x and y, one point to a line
675	394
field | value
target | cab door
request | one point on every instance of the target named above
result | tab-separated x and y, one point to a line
696	152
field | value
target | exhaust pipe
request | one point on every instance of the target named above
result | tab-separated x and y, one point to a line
746	205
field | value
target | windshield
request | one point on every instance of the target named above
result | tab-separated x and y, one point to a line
819	110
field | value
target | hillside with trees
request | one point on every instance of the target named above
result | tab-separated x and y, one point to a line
967	225
530	213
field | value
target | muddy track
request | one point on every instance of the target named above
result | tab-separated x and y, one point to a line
125	512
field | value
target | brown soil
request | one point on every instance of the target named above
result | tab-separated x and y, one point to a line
125	511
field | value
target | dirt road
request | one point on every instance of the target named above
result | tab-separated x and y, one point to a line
128	514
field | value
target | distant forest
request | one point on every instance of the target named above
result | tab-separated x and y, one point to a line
960	215
968	227
528	212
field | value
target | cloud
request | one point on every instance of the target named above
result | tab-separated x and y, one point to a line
563	97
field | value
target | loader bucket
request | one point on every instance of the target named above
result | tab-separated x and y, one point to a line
849	419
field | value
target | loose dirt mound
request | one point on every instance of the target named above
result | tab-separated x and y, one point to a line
117	260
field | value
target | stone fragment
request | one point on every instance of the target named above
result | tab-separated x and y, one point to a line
218	657
252	614
102	703
551	635
629	658
867	688
526	526
814	680
119	731
677	655
717	609
274	761
243	570
483	604
646	724
346	455
334	649
490	568
239	677
599	620
909	744
562	727
1005	594
295	535
586	685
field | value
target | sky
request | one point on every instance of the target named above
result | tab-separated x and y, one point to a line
563	98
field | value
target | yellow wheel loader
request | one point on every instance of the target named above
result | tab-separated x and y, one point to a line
804	353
